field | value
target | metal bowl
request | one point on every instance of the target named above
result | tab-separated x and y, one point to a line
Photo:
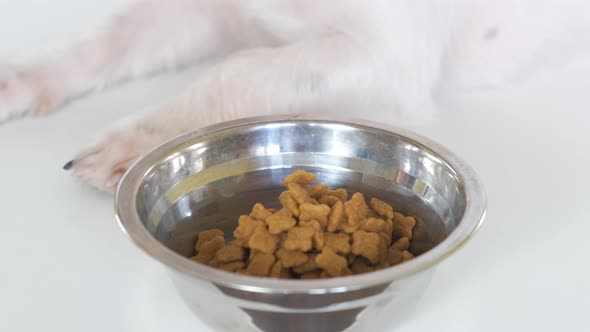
207	178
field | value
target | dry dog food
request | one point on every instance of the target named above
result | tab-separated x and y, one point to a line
318	233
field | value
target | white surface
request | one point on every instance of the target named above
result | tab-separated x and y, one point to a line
67	267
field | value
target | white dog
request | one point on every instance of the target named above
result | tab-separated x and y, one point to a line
281	56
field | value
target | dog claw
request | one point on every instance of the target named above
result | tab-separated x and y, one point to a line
69	165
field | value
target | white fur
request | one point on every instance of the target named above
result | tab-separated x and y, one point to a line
284	56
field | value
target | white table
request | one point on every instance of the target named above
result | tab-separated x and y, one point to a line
66	266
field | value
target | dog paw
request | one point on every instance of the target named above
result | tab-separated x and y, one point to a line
103	164
26	92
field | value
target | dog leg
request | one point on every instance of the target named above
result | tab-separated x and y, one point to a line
321	75
151	36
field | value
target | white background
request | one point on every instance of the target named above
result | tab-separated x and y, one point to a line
65	265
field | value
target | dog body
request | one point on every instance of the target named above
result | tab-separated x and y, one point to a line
285	56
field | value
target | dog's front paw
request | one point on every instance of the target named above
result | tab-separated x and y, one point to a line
103	164
27	92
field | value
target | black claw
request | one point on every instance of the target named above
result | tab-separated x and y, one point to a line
68	165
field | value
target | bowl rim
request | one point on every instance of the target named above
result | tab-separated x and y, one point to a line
128	218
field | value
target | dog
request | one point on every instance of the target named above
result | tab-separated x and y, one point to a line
292	56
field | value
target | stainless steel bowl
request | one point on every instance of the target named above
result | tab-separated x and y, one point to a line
209	177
